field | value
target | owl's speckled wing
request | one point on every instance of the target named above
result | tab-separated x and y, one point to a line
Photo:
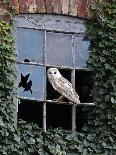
64	87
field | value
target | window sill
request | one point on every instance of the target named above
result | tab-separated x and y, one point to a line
56	102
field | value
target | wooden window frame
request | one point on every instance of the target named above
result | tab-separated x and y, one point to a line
53	23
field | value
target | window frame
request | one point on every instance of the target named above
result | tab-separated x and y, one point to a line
59	24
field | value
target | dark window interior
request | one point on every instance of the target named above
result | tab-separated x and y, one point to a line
30	111
58	116
83	85
81	118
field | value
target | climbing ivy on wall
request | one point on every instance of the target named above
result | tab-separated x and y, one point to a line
98	135
102	60
9	140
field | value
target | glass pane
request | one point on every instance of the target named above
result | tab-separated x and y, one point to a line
82	53
59	49
36	75
30	45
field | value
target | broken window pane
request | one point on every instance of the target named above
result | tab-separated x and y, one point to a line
29	112
36	75
59	49
84	85
56	120
82	52
30	45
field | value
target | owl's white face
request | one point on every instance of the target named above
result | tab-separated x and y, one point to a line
53	73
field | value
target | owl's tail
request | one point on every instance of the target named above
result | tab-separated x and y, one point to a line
75	98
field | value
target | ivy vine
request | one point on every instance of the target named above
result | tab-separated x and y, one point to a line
102	60
98	135
9	142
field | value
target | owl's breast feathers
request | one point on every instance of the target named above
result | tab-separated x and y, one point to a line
64	87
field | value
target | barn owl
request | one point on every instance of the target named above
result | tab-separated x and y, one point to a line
62	85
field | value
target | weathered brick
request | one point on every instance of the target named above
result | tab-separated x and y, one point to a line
40	6
73	7
81	8
49	7
24	6
65	6
3	8
32	6
15	4
57	6
90	14
27	6
3	11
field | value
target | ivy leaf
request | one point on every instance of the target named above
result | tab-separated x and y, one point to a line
113	100
30	140
103	59
2	123
111	139
107	66
107	98
17	138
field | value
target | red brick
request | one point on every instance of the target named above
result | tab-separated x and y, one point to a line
73	7
24	6
65	7
57	6
15	4
81	8
32	6
49	7
4	7
5	18
40	6
90	14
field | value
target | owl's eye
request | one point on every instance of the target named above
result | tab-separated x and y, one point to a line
54	72
49	72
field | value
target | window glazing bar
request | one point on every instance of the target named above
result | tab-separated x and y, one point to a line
73	84
45	91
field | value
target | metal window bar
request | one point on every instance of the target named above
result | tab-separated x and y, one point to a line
44	104
73	84
55	102
73	106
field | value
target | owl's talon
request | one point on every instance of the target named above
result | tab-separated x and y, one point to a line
55	99
59	99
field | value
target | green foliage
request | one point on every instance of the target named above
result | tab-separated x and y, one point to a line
99	134
53	142
102	61
8	142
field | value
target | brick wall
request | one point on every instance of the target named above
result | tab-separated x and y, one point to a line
76	8
3	11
